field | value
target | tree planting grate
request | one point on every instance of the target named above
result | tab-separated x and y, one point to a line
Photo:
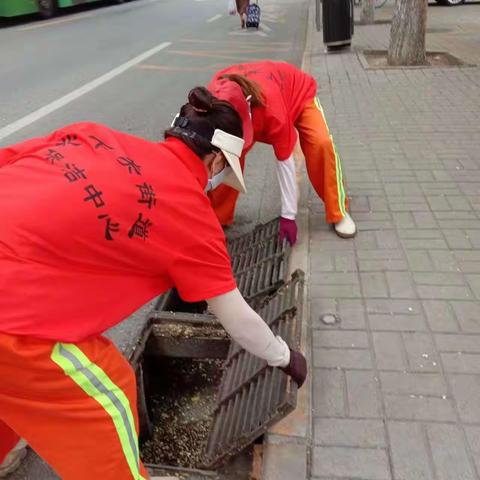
252	395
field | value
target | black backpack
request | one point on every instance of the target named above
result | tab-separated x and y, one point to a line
253	15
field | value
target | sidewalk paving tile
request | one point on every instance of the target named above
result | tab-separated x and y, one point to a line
449	453
390	352
284	462
348	432
396	387
362	394
348	462
473	437
410	452
466	392
329	392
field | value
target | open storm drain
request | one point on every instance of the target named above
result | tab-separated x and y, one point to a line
204	399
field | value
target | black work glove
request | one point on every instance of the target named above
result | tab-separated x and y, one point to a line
297	368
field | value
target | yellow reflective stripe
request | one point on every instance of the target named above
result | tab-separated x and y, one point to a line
97	385
338	165
319	106
340	189
110	386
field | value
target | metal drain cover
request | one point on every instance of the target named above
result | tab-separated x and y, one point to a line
259	264
253	396
259	260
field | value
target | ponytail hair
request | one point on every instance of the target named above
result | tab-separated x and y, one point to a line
205	114
249	88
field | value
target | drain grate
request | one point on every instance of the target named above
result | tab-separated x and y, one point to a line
259	260
259	264
252	396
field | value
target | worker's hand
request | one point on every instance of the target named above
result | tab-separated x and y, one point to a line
297	368
288	230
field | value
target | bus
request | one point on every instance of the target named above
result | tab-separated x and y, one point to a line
46	8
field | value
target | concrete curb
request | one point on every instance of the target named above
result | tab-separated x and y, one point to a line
287	444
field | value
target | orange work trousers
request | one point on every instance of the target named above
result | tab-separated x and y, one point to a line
75	405
323	167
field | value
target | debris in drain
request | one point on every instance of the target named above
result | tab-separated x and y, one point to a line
177	330
239	468
168	478
182	402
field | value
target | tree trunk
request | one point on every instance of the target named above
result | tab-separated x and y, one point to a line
407	36
367	15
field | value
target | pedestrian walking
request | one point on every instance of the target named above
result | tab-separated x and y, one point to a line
278	104
242	7
95	223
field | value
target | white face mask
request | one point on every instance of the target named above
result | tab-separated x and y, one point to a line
217	179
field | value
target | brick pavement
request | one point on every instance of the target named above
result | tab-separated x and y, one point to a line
396	384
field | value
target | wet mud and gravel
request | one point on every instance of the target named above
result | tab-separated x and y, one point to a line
182	400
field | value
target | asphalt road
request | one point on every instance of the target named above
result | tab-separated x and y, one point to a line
130	66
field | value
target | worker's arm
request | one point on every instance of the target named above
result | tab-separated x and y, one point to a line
247	328
287	179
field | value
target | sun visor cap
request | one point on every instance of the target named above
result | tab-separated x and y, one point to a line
231	146
232	93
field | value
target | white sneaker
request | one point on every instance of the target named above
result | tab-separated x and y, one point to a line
346	227
12	461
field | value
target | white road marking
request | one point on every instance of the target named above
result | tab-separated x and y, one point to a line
70	97
266	27
248	33
214	18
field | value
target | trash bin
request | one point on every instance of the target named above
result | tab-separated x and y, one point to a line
337	23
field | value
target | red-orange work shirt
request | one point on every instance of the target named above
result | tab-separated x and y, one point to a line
286	90
94	223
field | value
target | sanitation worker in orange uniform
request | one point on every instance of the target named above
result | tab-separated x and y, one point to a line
278	104
94	224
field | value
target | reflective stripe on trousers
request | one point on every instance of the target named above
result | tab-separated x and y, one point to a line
97	385
338	164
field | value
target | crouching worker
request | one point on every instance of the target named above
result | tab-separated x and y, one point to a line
278	104
94	224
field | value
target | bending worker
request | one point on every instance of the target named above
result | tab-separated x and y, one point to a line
275	100
95	223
